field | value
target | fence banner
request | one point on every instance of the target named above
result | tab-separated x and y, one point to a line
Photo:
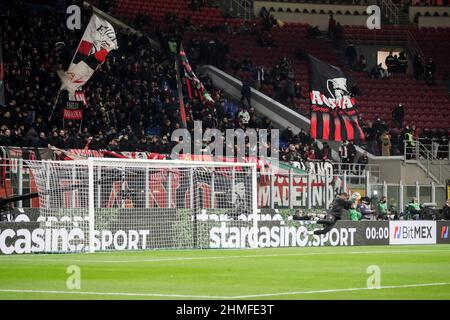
412	232
442	232
275	229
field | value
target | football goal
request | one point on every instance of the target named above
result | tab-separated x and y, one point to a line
103	204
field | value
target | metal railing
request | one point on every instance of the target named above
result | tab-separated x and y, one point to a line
412	45
433	156
240	8
399	194
390	10
353	169
357	169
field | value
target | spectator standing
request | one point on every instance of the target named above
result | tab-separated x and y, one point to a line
371	136
351	149
246	92
430	70
418	67
289	92
402	62
390	63
410	143
331	26
362	162
259	77
395	141
351	55
386	145
343	154
398	115
339	35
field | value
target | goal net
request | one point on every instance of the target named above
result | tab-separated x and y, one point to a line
125	204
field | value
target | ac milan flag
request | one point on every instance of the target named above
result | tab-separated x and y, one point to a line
180	95
98	40
191	78
334	115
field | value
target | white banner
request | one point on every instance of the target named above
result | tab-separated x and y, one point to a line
412	232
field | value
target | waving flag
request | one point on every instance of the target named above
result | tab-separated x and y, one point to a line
333	113
192	78
180	95
98	40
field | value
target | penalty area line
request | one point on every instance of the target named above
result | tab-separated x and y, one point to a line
187	296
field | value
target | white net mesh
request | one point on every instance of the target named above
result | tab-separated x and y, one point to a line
137	204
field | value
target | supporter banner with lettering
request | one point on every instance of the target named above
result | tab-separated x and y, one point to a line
334	115
98	40
73	110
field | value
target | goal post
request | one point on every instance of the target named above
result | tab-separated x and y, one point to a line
103	204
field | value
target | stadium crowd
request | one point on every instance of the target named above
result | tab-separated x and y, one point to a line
131	101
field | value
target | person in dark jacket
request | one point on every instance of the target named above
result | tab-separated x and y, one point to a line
402	62
418	67
351	55
398	115
390	63
430	70
246	92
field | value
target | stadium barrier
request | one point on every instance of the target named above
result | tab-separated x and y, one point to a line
276	229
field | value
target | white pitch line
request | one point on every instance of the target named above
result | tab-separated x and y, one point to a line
132	294
187	296
37	260
340	290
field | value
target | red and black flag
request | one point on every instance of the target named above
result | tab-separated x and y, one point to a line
192	81
334	115
98	40
180	94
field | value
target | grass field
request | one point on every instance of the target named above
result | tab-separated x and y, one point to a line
407	272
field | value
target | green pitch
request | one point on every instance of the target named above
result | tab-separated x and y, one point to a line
407	272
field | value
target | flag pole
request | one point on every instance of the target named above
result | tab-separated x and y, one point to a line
61	88
180	91
54	105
